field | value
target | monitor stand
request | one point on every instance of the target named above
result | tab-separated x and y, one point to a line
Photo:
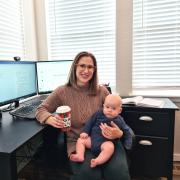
12	106
16	103
0	114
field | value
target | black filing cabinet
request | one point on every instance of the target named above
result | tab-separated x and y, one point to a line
152	154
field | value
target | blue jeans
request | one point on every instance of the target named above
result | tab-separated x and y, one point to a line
115	169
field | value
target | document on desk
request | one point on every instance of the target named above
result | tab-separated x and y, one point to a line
144	102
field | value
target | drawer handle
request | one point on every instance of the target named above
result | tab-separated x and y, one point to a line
145	142
146	118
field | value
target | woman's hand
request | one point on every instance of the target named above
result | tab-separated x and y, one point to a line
111	132
55	121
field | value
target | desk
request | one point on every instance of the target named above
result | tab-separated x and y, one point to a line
152	155
14	133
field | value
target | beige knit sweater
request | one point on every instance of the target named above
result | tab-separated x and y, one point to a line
82	107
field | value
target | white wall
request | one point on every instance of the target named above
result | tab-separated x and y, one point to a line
177	134
124	47
41	31
30	30
35	30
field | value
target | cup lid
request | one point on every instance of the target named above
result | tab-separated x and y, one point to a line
63	109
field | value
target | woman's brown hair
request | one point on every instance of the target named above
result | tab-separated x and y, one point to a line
93	83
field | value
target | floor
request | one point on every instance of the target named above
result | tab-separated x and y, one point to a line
46	169
176	177
35	171
176	171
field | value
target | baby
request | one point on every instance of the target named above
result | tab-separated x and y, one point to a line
92	137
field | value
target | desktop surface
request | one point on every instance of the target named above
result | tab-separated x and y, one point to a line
15	132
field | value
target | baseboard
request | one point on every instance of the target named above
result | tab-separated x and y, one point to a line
176	157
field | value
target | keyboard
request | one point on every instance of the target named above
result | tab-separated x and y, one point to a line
26	110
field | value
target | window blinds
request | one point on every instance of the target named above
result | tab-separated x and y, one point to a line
156	44
11	30
83	25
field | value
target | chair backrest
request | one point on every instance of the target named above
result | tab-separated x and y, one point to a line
108	87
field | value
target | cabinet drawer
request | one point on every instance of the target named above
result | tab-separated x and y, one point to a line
149	157
148	122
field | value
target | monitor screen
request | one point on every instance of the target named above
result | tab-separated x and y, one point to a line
51	74
17	80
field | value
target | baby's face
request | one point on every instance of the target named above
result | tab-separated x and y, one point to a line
112	108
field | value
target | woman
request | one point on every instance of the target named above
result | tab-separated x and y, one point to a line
83	94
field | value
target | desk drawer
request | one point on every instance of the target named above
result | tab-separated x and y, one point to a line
149	156
148	122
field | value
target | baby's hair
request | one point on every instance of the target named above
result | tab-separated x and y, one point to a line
116	94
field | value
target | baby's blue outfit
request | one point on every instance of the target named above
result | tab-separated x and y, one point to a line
93	130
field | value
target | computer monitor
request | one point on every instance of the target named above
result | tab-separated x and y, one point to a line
51	74
17	81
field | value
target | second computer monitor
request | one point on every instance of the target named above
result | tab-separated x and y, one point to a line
51	74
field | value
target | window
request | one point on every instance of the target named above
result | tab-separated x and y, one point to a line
156	45
83	25
11	30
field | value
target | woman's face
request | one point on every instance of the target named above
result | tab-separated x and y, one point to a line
84	71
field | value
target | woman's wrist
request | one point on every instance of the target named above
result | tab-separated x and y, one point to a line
117	133
46	120
120	134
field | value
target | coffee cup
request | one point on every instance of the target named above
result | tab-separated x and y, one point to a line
65	113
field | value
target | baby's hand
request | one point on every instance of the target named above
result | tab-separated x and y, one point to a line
83	135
